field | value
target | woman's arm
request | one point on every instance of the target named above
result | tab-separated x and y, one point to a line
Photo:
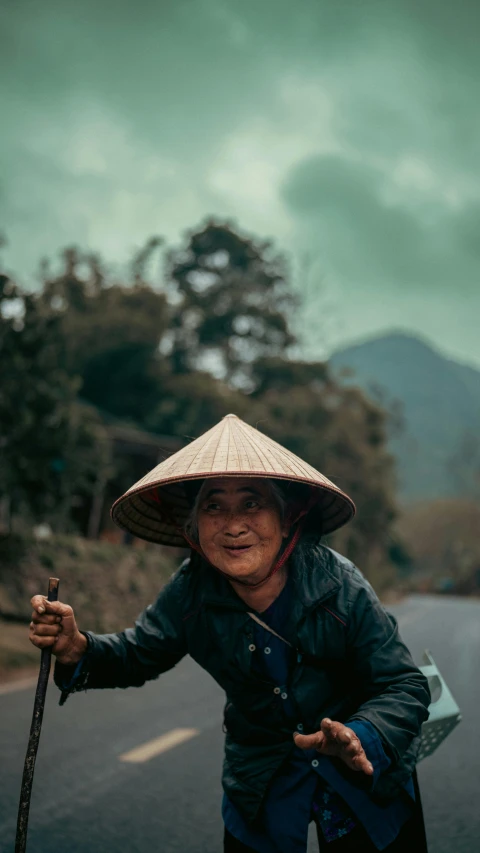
393	699
128	658
131	657
394	694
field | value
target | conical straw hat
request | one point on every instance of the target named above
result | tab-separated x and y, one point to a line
157	507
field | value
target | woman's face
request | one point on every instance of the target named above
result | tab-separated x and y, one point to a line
239	526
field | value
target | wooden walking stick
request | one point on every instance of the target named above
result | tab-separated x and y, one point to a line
35	729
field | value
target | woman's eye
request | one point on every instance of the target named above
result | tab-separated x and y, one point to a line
251	504
211	507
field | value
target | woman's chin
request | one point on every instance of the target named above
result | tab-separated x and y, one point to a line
240	570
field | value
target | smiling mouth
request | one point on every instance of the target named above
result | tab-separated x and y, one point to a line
237	548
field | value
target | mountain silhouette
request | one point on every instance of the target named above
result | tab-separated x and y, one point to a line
439	399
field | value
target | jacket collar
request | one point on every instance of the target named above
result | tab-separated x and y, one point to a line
316	581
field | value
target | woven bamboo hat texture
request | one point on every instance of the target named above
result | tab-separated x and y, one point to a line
157	507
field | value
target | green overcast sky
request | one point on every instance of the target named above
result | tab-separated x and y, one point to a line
347	131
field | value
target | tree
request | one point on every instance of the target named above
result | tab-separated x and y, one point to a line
113	334
215	337
442	538
193	402
111	331
233	303
51	448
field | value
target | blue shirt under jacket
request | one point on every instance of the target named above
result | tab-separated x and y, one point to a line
309	785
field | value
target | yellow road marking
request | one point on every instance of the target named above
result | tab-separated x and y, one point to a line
158	745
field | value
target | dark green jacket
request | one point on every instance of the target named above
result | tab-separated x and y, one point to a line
350	663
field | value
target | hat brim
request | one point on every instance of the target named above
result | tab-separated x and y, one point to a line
158	512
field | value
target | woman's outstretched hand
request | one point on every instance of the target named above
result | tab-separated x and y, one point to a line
336	739
53	626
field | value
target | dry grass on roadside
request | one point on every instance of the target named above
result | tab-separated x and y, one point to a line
18	658
107	585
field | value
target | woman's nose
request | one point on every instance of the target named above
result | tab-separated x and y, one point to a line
235	525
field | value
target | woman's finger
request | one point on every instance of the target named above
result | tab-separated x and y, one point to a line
38	603
353	747
345	736
56	608
361	763
313	741
45	618
337	731
343	742
42	642
46	630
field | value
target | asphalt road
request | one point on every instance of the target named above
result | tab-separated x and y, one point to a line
86	800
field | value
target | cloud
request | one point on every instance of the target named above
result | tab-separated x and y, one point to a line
346	208
383	256
345	129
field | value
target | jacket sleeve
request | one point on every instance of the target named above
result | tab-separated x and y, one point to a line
394	694
132	657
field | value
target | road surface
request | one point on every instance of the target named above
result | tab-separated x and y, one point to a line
90	798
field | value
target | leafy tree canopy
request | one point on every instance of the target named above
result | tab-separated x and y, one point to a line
111	332
50	446
174	357
234	303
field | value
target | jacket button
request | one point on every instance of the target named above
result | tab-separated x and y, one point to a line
267	650
276	690
300	727
284	695
314	763
251	647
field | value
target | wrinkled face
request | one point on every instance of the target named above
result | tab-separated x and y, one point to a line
240	528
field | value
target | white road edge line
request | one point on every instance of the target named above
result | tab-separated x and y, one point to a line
158	745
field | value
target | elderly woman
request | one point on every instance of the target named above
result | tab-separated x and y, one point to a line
324	705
